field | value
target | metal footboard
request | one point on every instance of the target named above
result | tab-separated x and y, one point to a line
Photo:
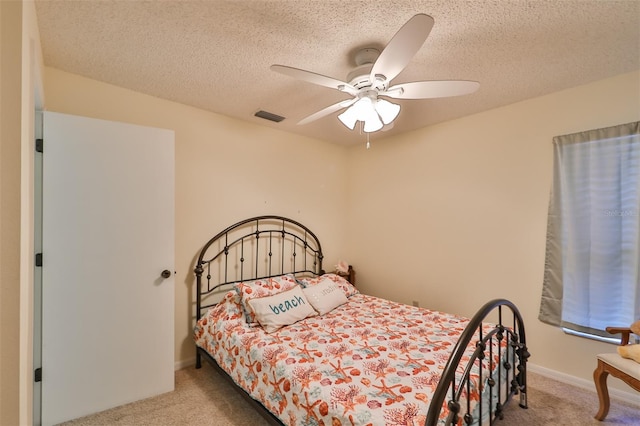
512	369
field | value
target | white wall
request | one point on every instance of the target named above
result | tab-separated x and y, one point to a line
458	210
226	170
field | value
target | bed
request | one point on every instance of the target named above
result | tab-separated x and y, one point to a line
306	347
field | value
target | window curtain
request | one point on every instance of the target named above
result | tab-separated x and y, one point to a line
592	267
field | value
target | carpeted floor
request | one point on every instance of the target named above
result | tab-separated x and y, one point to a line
202	397
556	403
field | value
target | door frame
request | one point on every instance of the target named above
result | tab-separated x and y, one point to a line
37	273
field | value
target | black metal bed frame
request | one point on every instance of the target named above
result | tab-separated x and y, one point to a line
513	367
300	253
226	259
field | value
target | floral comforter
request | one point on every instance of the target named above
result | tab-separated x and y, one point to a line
369	361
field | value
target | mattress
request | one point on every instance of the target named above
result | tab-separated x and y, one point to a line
369	361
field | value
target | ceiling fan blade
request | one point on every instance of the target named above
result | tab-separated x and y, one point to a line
431	89
328	110
314	78
402	47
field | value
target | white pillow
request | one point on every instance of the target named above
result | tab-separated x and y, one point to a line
348	289
274	312
325	296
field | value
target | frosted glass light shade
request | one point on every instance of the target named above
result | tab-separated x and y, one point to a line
373	113
348	118
356	112
372	123
387	111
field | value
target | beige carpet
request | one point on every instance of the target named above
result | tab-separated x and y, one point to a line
202	397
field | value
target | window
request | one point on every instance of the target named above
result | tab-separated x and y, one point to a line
592	266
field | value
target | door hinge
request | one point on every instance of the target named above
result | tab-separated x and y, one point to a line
39	145
37	374
38	259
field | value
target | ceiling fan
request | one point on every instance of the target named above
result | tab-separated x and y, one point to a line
372	78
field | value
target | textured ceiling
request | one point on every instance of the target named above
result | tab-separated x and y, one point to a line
215	55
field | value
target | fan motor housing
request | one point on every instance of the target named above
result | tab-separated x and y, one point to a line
359	77
364	59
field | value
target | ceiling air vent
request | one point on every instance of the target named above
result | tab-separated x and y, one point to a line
269	116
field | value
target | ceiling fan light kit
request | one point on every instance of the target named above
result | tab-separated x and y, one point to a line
372	77
373	112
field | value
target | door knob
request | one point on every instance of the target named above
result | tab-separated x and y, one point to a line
166	273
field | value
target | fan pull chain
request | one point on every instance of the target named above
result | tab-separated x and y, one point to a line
368	143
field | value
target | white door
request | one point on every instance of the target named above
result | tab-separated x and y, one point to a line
108	234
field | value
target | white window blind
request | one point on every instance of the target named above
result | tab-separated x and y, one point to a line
592	265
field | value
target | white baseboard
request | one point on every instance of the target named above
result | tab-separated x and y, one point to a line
617	394
179	365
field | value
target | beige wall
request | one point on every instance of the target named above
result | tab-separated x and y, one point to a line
226	170
21	93
10	113
459	210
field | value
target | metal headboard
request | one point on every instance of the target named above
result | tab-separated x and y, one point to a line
255	248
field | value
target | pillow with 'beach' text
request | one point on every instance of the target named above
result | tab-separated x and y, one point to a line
278	310
264	287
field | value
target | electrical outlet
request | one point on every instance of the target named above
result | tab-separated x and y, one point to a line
415	303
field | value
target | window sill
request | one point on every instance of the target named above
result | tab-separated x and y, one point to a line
611	340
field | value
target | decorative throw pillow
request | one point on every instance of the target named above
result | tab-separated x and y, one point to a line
262	288
348	289
325	296
228	308
286	308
